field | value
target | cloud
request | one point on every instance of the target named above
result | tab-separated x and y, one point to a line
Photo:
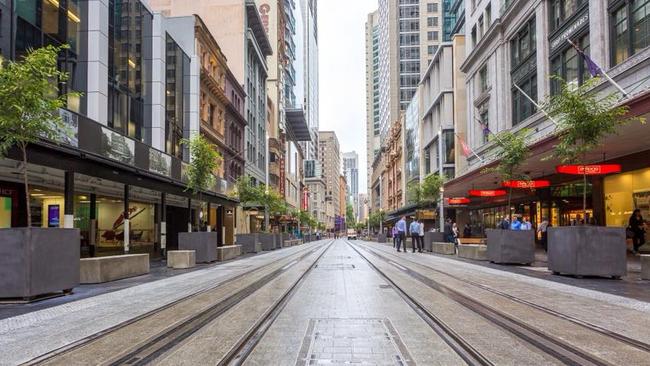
342	78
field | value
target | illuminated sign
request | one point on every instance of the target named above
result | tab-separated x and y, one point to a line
595	169
526	184
487	192
458	201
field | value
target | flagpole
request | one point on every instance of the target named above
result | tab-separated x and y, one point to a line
469	147
535	103
600	69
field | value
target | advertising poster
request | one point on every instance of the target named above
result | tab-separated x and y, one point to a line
53	212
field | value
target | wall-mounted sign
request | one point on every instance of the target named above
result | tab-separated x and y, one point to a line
458	201
117	147
570	31
526	184
594	169
487	192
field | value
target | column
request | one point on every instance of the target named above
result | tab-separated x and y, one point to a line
209	217
220	227
68	218
163	223
127	226
189	215
93	224
96	62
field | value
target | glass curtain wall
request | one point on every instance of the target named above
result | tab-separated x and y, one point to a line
177	66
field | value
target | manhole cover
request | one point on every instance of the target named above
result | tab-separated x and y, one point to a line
335	266
353	341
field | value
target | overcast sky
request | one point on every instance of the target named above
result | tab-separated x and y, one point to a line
342	100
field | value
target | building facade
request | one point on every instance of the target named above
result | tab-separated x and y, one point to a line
330	159
523	44
119	162
372	93
351	173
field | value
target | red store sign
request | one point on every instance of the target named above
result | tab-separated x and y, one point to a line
458	201
487	192
526	184
595	169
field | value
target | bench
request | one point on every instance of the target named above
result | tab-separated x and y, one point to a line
645	266
473	251
228	252
112	268
443	248
292	242
181	259
472	240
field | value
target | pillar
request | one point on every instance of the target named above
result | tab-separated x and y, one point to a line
209	217
220	228
92	241
68	218
189	215
127	226
163	223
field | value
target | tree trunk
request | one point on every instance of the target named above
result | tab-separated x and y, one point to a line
23	148
509	203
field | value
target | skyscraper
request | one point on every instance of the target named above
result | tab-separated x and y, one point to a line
351	173
372	91
330	158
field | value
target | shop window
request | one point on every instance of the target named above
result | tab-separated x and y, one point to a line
629	29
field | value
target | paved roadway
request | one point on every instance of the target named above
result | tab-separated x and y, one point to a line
337	302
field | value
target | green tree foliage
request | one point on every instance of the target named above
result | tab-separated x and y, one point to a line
376	218
204	160
430	187
414	192
29	103
512	151
350	220
584	120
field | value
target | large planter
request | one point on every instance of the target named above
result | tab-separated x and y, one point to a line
250	243
511	246
38	261
204	243
278	240
430	237
587	251
381	238
267	241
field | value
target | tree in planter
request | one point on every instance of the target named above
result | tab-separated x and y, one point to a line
414	193
585	119
512	151
430	188
29	104
204	160
350	220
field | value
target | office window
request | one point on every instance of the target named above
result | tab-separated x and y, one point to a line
483	79
561	10
481	31
485	126
522	107
432	7
432	35
630	29
488	15
474	36
523	44
432	21
569	65
431	49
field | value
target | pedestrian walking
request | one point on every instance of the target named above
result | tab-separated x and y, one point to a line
516	224
637	227
421	236
505	223
414	230
467	231
449	234
455	231
401	233
526	225
543	227
394	234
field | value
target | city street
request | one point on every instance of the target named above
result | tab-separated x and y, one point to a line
339	302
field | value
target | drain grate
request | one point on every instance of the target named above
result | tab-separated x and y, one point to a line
365	341
335	266
385	286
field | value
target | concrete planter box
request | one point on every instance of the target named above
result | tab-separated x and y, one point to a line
645	267
250	243
267	241
181	259
511	246
587	251
432	237
113	268
38	261
278	241
476	252
228	252
202	242
381	238
443	248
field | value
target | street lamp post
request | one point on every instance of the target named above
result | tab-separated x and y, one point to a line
381	222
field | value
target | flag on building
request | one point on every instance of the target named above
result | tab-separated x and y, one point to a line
592	66
467	151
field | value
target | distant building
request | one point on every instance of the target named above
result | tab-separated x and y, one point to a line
330	157
351	173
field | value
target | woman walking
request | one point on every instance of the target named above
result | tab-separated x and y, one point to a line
637	226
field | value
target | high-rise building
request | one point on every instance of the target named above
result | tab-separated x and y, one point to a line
309	12
330	159
372	92
238	28
351	173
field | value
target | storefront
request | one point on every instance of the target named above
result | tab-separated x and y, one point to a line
624	193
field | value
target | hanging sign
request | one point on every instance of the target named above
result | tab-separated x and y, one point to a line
595	169
526	184
458	201
487	192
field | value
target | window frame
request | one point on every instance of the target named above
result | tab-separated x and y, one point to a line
614	7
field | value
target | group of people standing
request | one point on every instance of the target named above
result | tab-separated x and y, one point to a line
415	230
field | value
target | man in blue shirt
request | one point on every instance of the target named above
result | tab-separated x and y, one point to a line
401	232
414	229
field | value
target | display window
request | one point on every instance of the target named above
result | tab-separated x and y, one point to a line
624	193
